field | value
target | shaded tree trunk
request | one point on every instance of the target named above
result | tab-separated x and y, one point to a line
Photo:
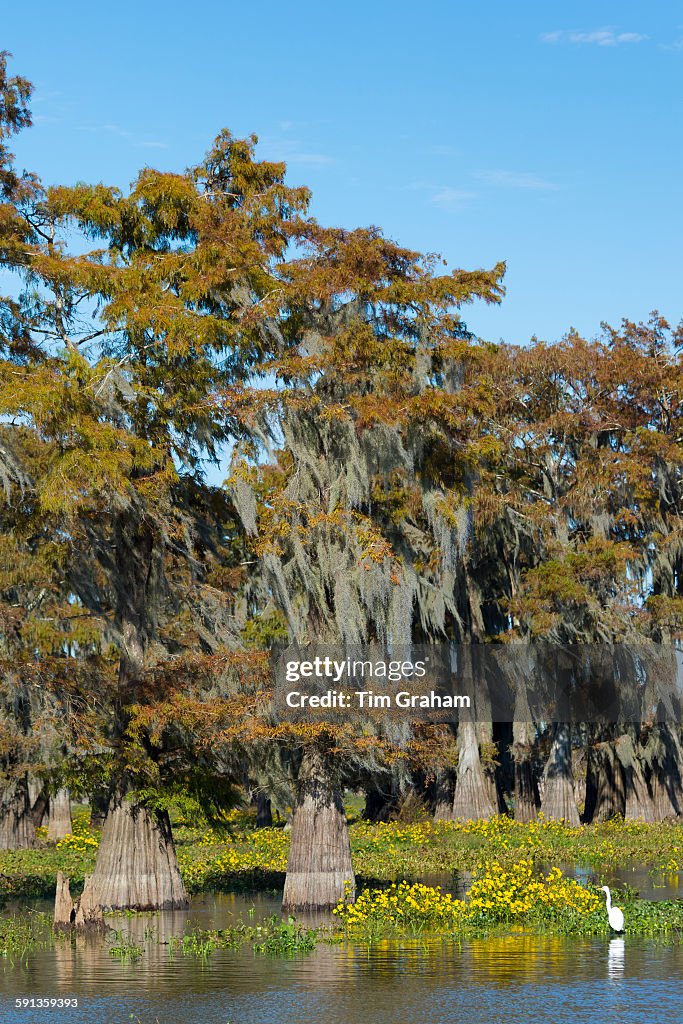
39	809
527	799
666	783
319	866
527	795
98	810
136	866
605	783
264	811
558	802
505	769
444	791
472	797
60	815
16	825
638	804
381	805
489	758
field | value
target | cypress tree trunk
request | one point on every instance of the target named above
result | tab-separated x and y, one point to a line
98	810
638	802
16	824
60	815
559	803
379	804
136	866
39	809
264	811
444	792
319	866
527	796
665	782
65	914
605	783
35	788
490	765
527	800
472	791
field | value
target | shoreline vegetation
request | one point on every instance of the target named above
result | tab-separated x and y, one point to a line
500	903
510	882
238	856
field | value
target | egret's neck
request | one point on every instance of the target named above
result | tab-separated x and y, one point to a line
608	897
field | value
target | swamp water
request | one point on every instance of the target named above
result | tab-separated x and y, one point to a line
517	977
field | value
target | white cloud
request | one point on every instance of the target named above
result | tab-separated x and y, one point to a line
517	179
448	198
598	37
676	45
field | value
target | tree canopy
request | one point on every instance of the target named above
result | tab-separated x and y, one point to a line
389	477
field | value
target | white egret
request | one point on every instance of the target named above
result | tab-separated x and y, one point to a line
615	916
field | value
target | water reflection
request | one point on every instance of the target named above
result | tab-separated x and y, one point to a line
651	885
516	977
615	958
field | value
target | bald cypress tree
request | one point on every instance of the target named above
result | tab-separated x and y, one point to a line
124	367
353	537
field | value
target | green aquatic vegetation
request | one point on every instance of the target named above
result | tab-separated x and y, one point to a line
273	936
23	933
502	900
125	950
202	942
285	938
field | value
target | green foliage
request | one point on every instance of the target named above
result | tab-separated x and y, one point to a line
265	631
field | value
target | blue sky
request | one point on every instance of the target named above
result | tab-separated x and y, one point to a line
547	135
